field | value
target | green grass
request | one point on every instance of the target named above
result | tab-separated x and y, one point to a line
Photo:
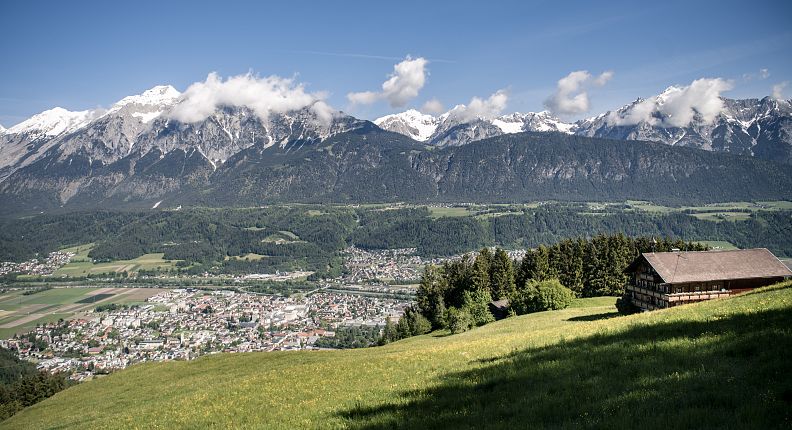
593	302
249	256
439	212
722	216
82	265
718	364
713	207
282	236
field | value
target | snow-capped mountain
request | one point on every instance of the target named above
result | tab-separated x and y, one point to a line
113	134
53	122
450	129
410	123
752	127
141	123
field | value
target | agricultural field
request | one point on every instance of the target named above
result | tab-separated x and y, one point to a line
722	216
82	265
731	207
546	370
438	212
19	313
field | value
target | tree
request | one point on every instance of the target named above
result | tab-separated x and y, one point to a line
480	272
458	320
501	275
476	303
535	266
416	323
430	295
389	333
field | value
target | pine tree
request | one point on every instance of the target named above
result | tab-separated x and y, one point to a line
501	275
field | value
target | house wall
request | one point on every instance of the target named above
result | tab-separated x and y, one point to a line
648	292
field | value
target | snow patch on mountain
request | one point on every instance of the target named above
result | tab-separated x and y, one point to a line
54	122
411	123
157	96
452	129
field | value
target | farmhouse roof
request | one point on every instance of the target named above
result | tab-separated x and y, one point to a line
700	266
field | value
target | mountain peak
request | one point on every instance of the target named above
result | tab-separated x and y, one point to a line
159	95
411	123
54	122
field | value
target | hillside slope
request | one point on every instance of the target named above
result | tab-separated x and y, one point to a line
720	364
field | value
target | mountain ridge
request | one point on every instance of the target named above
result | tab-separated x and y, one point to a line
136	154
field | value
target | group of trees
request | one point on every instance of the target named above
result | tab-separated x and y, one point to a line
457	294
21	385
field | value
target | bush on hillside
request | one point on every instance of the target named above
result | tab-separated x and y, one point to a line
477	305
540	296
625	306
458	320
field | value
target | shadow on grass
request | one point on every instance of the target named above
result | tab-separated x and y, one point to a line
731	372
596	317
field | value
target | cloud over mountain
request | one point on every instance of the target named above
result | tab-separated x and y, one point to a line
678	105
778	90
571	96
403	85
272	94
481	108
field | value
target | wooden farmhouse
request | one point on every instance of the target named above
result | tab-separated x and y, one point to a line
666	279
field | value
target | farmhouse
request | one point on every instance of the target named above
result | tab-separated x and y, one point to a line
666	279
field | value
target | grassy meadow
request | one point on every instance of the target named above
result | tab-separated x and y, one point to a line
82	265
718	364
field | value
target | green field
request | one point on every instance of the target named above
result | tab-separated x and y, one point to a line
20	313
714	207
722	216
717	364
249	256
82	265
439	212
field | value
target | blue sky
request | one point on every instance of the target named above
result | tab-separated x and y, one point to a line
82	55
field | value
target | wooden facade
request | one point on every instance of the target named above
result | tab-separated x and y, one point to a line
663	280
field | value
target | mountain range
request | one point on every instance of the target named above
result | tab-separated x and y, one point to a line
137	155
752	127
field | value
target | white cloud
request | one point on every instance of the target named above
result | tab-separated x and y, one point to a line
677	106
364	97
571	96
481	108
403	85
264	96
778	90
433	106
764	73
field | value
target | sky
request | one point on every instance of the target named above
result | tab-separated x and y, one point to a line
369	59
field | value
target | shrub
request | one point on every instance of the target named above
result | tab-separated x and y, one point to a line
539	296
625	306
477	305
458	320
